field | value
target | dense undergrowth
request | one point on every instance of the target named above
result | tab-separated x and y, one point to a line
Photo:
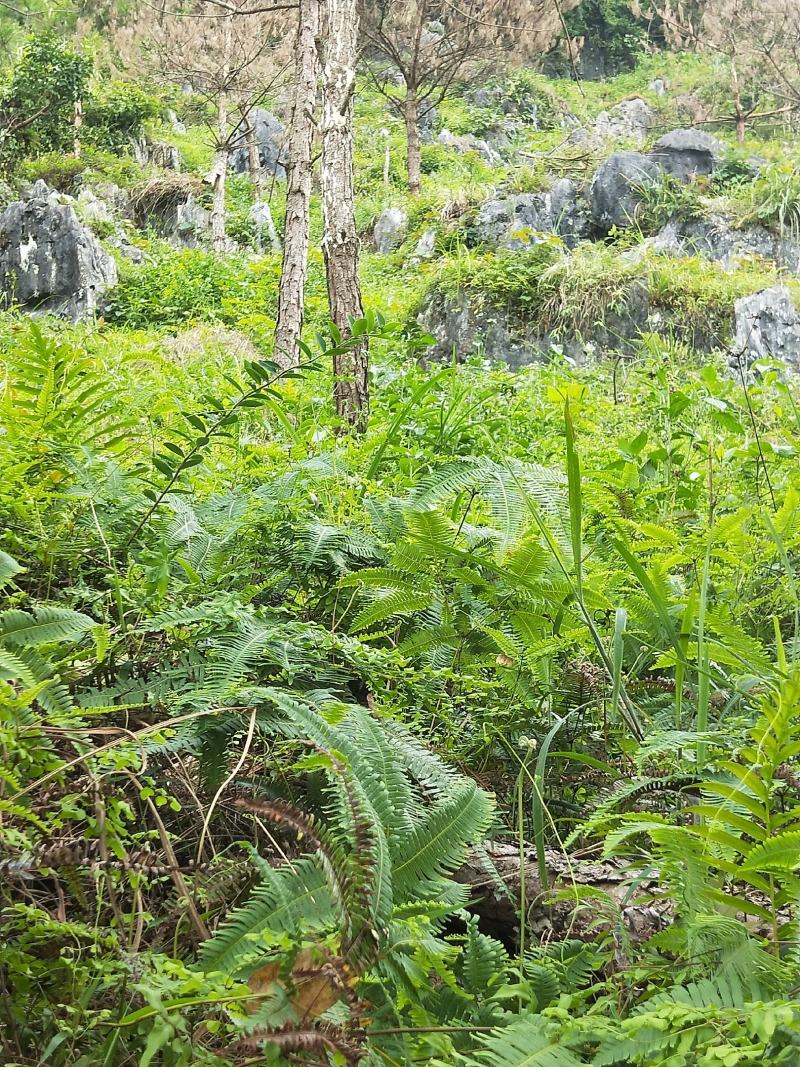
267	679
267	687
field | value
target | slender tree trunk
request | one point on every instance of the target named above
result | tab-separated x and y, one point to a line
77	122
340	242
412	137
217	177
298	193
737	104
387	158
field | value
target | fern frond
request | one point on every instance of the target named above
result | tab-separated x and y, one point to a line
525	1043
290	898
44	625
440	843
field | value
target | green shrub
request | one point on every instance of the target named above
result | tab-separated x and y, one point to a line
66	173
38	106
774	198
175	287
116	115
61	172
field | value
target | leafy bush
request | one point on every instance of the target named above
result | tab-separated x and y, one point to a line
37	108
774	198
116	114
66	173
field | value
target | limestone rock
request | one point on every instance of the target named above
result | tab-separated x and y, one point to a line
156	153
49	262
270	136
685	154
615	190
519	220
91	208
426	245
768	327
570	217
428	121
463	327
390	229
629	120
715	237
468	324
468	143
175	122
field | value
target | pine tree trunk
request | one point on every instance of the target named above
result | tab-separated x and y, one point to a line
412	137
218	176
340	242
298	194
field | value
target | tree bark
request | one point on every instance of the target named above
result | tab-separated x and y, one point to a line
298	193
411	109
77	122
340	242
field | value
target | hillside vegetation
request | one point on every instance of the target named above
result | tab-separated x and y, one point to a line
469	739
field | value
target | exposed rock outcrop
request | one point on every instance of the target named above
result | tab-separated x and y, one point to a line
390	229
768	327
522	219
49	261
468	143
715	237
467	324
615	192
169	206
270	141
686	154
630	120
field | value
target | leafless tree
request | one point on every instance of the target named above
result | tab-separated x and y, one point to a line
435	45
760	43
225	52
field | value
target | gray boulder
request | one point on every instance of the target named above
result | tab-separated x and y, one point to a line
465	327
49	262
615	192
171	210
426	245
715	237
390	229
427	124
685	154
269	133
468	143
156	154
570	217
629	120
468	324
768	327
526	218
510	222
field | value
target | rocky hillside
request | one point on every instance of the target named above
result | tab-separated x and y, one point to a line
553	219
